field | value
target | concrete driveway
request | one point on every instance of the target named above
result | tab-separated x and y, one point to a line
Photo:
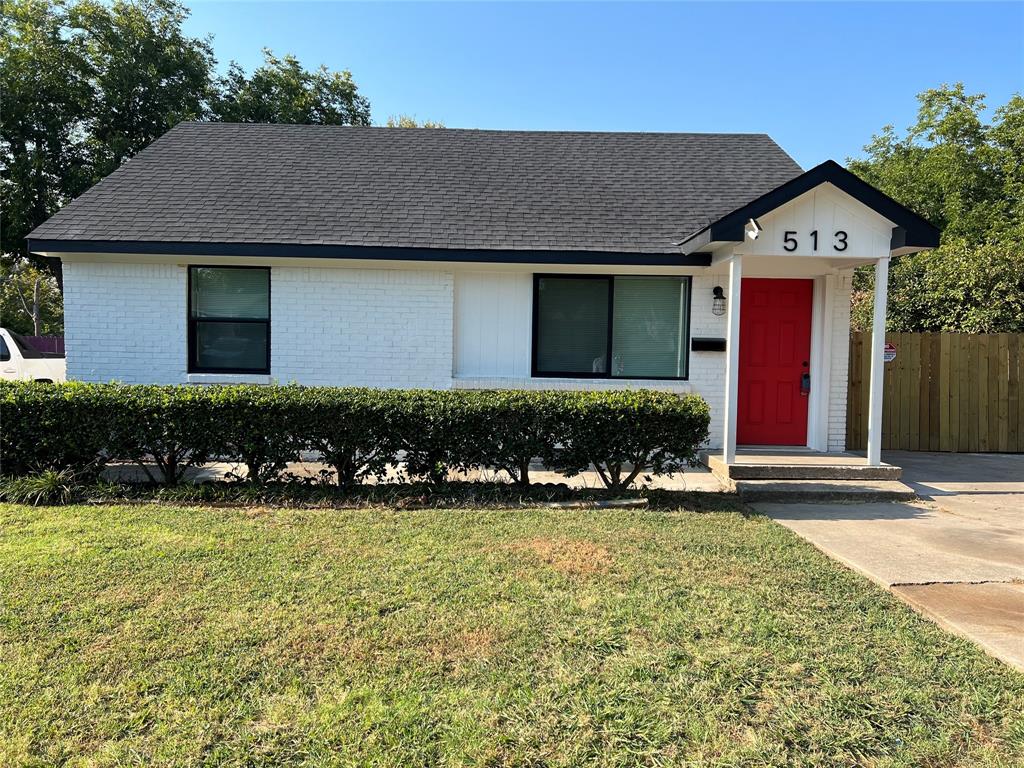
956	556
986	486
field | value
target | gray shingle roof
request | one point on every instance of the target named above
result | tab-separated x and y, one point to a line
424	188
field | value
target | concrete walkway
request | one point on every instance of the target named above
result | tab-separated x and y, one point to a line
957	556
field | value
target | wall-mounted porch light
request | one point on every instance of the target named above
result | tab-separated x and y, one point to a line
718	303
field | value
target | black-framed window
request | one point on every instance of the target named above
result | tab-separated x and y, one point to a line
229	320
611	326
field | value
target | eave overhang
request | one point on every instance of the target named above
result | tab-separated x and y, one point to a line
381	253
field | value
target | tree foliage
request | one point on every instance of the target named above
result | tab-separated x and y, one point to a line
145	75
88	83
409	121
966	177
282	91
46	98
30	301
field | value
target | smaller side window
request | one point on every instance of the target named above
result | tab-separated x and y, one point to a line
5	353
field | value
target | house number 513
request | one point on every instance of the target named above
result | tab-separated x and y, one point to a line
790	243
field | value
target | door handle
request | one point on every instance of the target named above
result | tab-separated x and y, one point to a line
805	384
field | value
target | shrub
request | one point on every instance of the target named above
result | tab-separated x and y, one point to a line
260	426
52	426
172	427
434	432
354	430
509	429
628	433
359	432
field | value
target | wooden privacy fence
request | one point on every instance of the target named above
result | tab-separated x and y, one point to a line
943	392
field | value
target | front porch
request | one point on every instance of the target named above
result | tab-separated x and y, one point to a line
784	261
787	463
785	474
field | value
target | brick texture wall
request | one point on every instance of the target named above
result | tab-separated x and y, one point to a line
367	327
125	322
707	369
381	328
839	351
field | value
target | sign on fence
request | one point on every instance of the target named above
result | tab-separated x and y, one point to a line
943	392
889	352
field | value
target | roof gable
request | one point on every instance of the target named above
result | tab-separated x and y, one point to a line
823	222
909	232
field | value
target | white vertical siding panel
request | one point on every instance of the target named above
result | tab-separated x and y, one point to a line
492	320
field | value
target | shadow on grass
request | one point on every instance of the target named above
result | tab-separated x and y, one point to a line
469	495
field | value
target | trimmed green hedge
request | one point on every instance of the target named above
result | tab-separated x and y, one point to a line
358	432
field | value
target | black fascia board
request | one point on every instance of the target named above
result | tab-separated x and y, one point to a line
316	251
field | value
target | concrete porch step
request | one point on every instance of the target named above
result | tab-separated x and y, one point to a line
817	491
793	467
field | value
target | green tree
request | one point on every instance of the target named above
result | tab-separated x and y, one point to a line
30	301
86	84
966	177
146	75
962	287
408	121
46	95
283	91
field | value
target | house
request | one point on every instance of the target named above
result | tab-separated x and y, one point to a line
442	258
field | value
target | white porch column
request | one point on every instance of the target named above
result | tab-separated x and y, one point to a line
732	360
877	363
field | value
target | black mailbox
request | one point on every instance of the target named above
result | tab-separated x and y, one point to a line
707	345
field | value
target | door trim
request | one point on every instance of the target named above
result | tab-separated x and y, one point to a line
822	307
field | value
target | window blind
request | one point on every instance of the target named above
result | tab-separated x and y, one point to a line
611	326
648	331
572	314
242	294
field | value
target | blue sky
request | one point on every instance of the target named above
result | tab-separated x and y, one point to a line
819	78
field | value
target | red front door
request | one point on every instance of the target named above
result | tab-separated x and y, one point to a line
775	349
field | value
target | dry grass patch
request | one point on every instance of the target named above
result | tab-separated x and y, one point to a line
573	557
470	645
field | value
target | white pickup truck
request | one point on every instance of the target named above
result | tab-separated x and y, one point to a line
19	361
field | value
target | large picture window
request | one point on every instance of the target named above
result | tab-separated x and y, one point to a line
229	320
602	326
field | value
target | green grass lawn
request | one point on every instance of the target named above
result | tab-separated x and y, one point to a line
146	635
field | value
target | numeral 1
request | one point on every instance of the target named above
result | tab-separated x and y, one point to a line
814	235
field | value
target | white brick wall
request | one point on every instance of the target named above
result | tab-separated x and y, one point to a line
382	328
707	369
125	322
369	327
839	347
